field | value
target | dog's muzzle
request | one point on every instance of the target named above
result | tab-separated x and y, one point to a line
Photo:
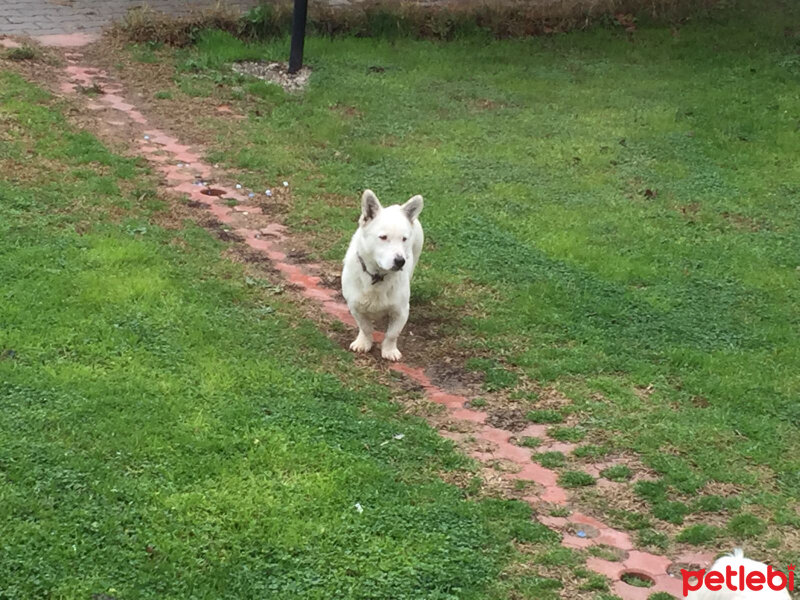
399	261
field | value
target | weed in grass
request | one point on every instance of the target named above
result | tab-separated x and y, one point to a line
521	485
671	512
163	95
544	415
551	460
594	583
661	596
559	557
653	491
535	586
559	512
699	534
626	519
496	377
714	503
530	442
22	53
617	473
746	526
651	537
573	479
567	434
605	552
786	517
474	486
590	451
637	580
478	402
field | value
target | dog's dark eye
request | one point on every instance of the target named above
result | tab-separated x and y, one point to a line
384	237
405	238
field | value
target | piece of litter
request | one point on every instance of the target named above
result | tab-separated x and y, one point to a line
359	508
238	186
180	164
285	184
147	137
396	436
244	213
581	533
268	192
250	195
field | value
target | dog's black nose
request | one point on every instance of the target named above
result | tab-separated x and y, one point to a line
399	261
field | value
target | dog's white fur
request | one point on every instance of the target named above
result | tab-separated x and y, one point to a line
734	560
378	266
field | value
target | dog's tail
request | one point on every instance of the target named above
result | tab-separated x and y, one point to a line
737	553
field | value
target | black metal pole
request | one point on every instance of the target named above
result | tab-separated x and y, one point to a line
298	35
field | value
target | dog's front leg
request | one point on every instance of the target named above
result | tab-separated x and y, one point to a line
363	342
397	321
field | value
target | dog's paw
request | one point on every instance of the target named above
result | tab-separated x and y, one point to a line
361	344
392	354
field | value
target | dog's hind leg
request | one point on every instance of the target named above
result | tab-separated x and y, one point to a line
363	342
397	321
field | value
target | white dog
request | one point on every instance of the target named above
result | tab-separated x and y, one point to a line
378	266
739	566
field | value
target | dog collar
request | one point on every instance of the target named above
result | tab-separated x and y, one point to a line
376	278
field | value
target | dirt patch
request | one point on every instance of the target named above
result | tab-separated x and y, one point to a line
453	378
482	104
347	111
275	72
513	420
298	256
742	222
220	231
329	280
675	568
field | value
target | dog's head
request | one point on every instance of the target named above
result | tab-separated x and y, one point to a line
386	232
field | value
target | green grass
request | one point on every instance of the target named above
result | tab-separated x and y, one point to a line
574	479
551	460
714	503
746	526
544	415
650	537
636	580
624	213
567	434
617	473
22	53
162	433
592	451
699	534
530	442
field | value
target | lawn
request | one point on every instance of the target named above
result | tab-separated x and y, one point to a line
162	434
613	216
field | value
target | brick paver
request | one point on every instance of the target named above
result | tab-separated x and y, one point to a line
52	17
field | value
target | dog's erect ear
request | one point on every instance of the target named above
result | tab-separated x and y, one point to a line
413	207
370	207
